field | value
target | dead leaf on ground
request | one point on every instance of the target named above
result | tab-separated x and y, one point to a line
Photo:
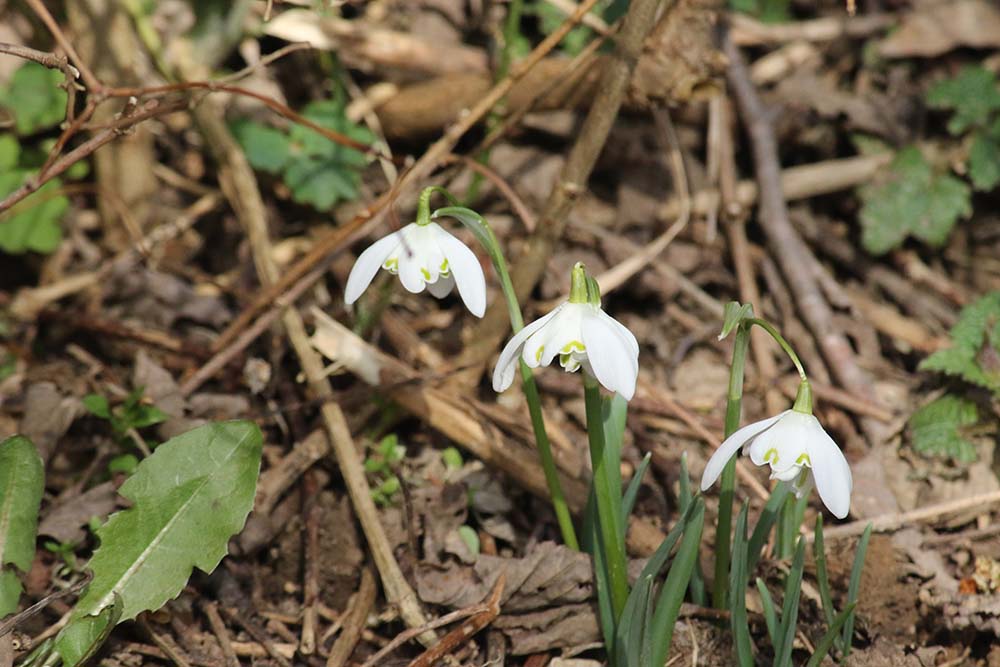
933	29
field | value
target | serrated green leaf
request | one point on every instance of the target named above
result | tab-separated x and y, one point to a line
984	162
911	200
972	94
35	98
22	480
188	499
267	149
34	223
936	428
975	352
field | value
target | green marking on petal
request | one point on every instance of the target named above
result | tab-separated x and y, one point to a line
426	274
771	456
391	264
803	460
573	346
444	266
539	353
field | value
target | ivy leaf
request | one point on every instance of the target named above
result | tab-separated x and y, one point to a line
936	428
984	162
975	352
972	94
33	224
21	485
188	498
35	98
911	200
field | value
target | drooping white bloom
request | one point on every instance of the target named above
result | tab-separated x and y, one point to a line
582	335
423	256
798	450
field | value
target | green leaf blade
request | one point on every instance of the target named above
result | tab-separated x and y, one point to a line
189	498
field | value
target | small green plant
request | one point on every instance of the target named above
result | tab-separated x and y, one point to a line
974	355
911	198
186	501
768	11
452	458
381	466
66	551
974	99
936	428
34	98
135	412
318	171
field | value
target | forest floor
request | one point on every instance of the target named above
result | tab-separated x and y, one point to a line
840	173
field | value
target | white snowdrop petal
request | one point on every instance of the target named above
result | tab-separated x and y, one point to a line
410	274
465	268
609	355
536	344
791	441
563	333
367	266
625	334
503	374
730	446
442	286
831	473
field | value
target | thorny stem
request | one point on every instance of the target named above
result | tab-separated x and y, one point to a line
734	400
608	507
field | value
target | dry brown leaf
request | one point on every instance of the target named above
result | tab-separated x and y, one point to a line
933	29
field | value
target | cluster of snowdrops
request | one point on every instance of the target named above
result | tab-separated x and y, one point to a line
637	617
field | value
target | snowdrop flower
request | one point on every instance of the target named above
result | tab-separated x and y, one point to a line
423	255
582	336
797	449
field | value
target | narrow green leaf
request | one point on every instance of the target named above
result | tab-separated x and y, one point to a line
633	631
632	490
668	603
764	525
21	486
819	554
770	616
824	644
699	593
738	592
591	543
188	499
790	608
852	589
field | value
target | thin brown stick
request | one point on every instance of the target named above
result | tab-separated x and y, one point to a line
895	520
310	585
258	636
50	60
353	621
88	147
516	203
450	641
221	633
42	13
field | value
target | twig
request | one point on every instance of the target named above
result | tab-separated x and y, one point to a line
516	203
447	619
747	31
573	180
433	655
151	110
50	60
258	635
172	652
42	13
895	520
796	260
310	586
353	621
221	633
12	622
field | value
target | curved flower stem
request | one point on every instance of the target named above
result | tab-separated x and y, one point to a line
484	234
608	505
734	404
780	340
